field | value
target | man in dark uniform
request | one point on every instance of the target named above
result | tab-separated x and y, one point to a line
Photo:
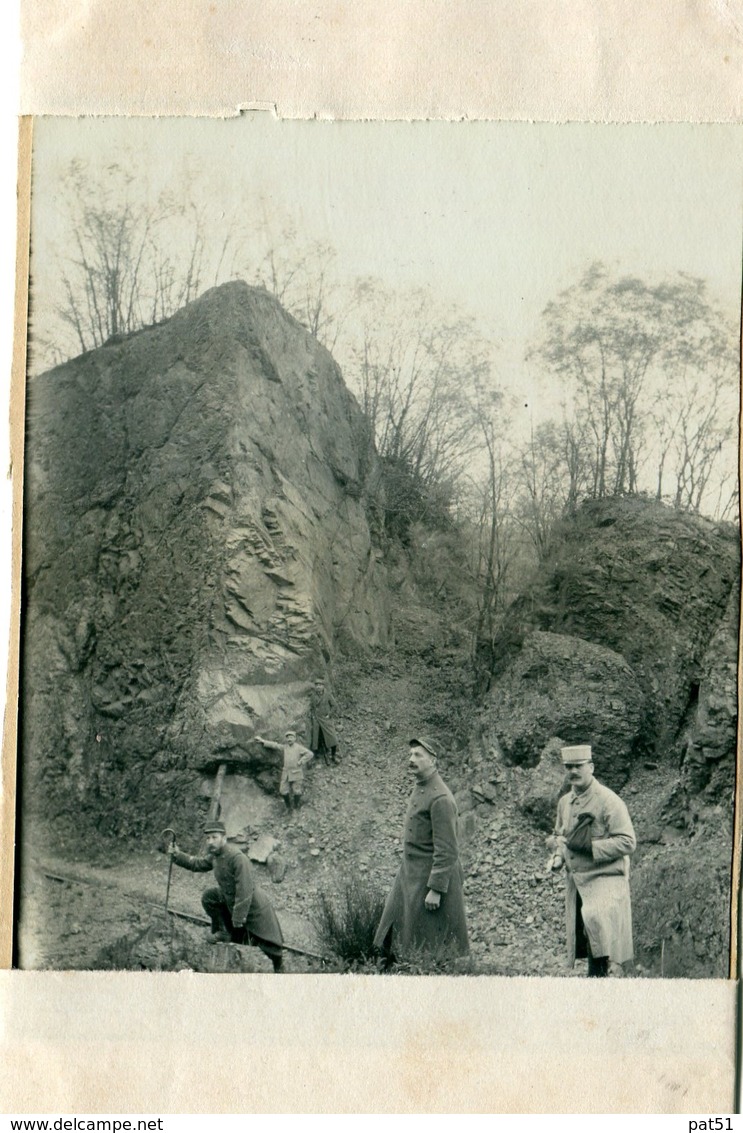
239	910
323	736
425	908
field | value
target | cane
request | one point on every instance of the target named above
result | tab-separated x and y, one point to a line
168	840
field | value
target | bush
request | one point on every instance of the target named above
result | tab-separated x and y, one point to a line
346	920
681	909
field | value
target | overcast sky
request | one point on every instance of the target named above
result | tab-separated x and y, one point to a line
495	217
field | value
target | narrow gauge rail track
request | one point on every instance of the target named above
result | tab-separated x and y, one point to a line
76	879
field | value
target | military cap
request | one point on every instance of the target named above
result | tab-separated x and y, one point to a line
423	741
215	828
581	753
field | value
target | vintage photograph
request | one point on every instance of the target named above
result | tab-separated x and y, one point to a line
381	553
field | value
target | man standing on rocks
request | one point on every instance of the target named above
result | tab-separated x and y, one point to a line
296	757
239	910
324	740
593	839
425	908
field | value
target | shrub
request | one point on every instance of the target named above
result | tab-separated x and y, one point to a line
346	919
681	909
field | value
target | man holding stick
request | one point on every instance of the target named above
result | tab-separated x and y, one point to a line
239	910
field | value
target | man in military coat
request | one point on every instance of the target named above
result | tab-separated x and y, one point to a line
593	840
239	910
425	908
323	736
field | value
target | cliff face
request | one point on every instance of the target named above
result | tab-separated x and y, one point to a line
708	743
626	637
196	544
655	591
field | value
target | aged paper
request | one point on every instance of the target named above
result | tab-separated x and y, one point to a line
670	1045
540	60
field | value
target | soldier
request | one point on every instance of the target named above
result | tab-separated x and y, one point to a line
323	738
239	910
295	759
425	907
593	839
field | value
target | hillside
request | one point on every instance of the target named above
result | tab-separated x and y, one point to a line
196	543
201	546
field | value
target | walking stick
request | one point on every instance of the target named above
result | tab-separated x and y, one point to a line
168	837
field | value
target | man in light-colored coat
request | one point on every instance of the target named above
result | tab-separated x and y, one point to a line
425	908
295	759
238	908
593	839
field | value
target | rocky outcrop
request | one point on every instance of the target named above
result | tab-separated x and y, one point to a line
708	746
545	785
681	904
651	588
563	686
196	543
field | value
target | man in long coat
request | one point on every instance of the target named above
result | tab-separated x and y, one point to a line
238	908
323	736
594	839
425	907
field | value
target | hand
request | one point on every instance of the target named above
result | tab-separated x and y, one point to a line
432	901
555	842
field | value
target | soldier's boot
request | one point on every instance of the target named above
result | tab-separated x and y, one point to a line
219	933
297	801
287	801
220	937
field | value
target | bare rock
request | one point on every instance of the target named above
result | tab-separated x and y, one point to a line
709	742
277	866
559	685
484	791
646	581
261	849
544	786
196	532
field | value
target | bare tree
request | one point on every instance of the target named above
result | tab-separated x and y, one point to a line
494	527
103	280
550	474
648	369
300	273
414	368
126	259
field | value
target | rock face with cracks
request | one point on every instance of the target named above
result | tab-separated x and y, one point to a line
196	545
626	637
563	686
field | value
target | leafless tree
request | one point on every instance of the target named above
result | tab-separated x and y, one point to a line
649	370
414	367
300	273
126	259
494	526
